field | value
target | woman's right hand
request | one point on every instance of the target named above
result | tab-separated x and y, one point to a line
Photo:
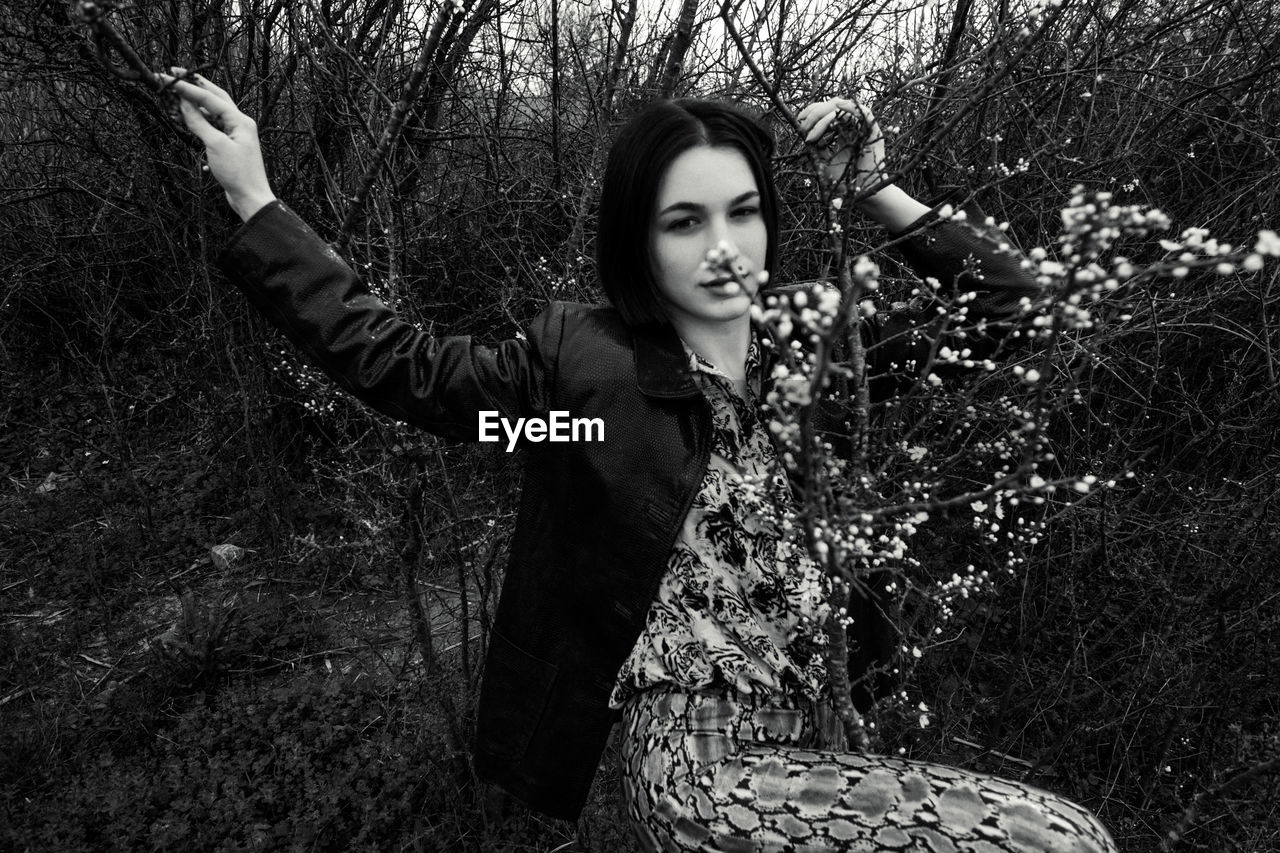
230	139
869	162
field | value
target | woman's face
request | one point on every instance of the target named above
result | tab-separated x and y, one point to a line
707	195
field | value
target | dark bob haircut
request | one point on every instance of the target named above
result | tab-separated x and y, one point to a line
640	156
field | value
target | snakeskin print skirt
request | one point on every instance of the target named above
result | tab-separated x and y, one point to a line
706	772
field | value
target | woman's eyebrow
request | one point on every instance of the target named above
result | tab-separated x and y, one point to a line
689	205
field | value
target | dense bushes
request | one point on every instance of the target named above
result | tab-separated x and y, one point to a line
306	765
148	415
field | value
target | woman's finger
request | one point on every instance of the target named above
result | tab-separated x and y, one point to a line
208	85
198	124
215	105
857	108
219	107
847	105
867	116
821	127
812	113
202	81
816	118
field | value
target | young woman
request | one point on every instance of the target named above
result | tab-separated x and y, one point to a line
640	586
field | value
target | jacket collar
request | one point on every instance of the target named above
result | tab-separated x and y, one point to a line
662	368
662	363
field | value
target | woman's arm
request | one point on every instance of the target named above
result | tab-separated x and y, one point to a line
437	383
894	208
891	206
306	290
955	258
960	256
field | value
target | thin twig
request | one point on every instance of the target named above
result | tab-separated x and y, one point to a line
106	39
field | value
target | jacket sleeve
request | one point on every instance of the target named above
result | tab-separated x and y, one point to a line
436	383
962	257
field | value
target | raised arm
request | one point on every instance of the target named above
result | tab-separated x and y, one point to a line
305	289
891	206
960	254
934	248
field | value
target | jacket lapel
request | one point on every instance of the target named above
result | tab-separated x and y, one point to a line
662	369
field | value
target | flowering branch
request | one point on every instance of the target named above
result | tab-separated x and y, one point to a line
853	521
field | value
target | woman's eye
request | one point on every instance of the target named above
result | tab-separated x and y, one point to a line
691	222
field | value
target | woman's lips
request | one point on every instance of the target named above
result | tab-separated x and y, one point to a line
725	287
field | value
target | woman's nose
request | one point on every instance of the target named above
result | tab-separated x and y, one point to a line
720	229
721	237
731	258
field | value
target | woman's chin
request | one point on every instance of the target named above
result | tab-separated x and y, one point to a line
733	309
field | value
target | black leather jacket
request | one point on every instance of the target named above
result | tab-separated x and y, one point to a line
597	520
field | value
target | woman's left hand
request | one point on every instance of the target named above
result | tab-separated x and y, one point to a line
869	166
230	138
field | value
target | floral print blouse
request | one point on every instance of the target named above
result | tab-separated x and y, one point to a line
741	603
